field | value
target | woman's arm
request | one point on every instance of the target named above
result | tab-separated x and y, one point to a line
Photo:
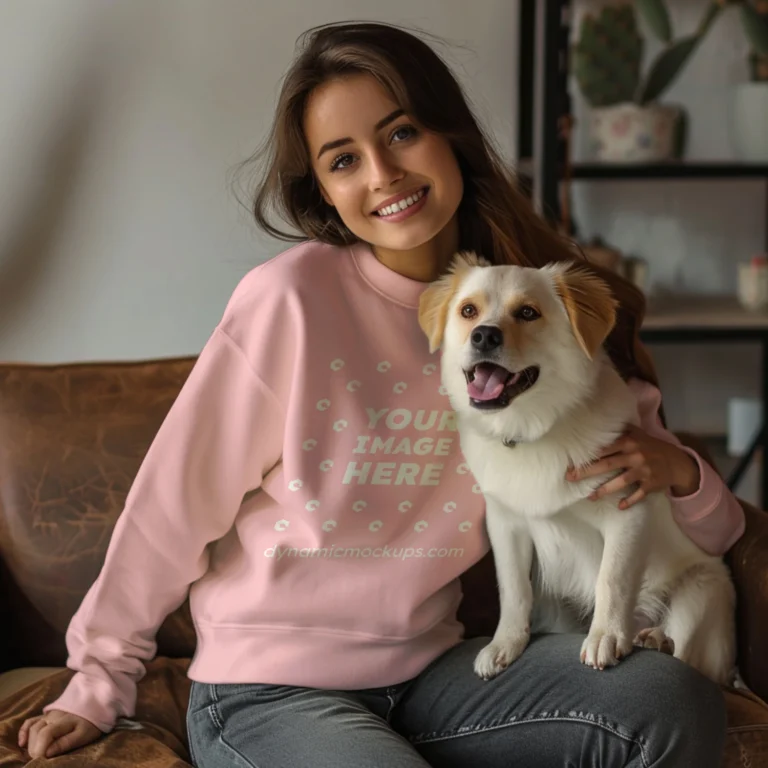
219	439
705	509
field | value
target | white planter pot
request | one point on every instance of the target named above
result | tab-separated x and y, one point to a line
749	122
629	133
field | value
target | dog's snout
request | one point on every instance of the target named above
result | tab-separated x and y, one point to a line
486	338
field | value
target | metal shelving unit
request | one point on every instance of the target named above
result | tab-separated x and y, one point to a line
544	107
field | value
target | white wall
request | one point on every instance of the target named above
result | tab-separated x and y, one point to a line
120	237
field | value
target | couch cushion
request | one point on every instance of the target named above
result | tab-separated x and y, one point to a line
747	745
72	438
160	710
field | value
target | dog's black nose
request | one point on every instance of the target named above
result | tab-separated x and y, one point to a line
486	338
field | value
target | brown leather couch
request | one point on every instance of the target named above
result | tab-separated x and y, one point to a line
71	440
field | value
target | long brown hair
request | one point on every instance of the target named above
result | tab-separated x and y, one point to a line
495	218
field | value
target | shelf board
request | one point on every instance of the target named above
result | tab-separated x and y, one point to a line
670	170
702	313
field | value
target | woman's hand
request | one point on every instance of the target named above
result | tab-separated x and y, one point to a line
648	463
55	733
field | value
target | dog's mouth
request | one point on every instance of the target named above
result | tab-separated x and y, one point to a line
492	386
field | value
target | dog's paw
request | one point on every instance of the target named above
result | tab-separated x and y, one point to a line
654	638
499	654
602	649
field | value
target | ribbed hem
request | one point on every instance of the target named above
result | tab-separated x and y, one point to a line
79	699
705	498
315	658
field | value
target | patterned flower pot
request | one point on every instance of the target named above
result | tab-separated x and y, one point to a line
629	133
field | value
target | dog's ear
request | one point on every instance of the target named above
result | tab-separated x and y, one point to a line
433	308
590	305
435	300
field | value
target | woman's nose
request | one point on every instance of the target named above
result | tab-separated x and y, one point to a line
384	170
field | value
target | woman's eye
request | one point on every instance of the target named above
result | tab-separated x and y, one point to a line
341	161
404	132
345	160
527	313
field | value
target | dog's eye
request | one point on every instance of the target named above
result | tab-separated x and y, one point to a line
468	310
527	313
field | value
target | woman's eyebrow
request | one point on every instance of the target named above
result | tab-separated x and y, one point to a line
347	140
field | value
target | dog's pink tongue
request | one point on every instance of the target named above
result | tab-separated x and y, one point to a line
488	383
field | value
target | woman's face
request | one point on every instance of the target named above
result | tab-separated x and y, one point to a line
368	155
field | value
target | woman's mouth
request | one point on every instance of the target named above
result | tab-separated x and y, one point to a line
404	208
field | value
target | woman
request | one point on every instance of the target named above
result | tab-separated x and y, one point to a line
308	489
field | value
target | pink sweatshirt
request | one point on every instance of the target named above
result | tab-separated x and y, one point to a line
308	489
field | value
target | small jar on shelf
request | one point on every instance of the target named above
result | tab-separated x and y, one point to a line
753	284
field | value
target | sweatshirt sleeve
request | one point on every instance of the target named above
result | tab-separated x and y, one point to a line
711	516
219	439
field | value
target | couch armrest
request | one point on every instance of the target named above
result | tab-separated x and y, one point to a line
748	561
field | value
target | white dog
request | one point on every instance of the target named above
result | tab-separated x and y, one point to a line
534	392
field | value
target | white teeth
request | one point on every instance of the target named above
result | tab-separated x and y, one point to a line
401	205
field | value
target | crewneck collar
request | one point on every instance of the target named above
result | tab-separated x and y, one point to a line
393	285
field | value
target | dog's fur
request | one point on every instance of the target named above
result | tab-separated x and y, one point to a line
563	561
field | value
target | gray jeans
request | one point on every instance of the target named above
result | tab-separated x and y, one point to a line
546	709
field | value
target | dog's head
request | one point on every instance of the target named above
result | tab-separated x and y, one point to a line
520	346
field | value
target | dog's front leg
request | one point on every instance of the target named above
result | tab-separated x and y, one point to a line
512	551
618	582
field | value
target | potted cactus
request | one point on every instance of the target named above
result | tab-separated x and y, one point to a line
750	108
627	122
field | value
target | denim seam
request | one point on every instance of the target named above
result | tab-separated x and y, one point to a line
424	739
192	754
213	709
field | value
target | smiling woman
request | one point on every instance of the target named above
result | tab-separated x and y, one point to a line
376	156
315	420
